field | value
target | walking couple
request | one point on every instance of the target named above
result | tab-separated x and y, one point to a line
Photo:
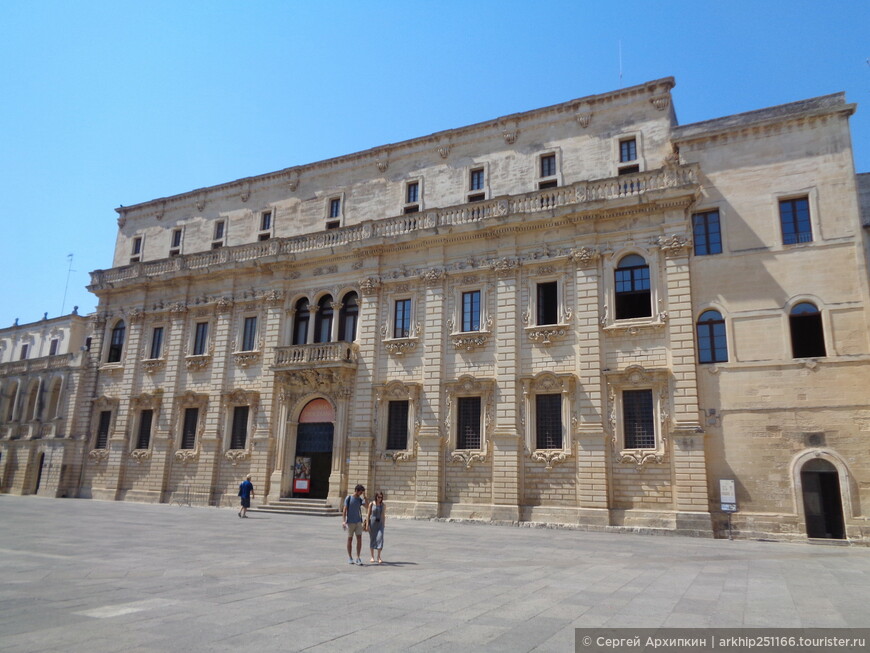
354	523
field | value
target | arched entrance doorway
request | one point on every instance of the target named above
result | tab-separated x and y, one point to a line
314	448
823	504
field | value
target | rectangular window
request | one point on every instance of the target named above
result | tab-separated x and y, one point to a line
239	436
548	165
137	245
103	429
706	234
176	238
188	431
156	342
144	438
412	193
402	321
468	423
249	334
476	181
335	207
52	347
628	150
266	221
637	414
397	425
548	303
219	230
548	421
200	338
794	216
471	310
24	350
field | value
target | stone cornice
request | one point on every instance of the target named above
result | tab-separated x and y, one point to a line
435	141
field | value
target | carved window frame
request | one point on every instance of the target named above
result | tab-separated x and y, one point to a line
407	206
231	401
182	403
199	361
546	333
470	340
811	195
149	364
266	234
557	176
111	325
476	192
397	391
548	383
401	345
469	386
635	377
100	405
657	317
145	401
639	161
334	221
175	250
246	357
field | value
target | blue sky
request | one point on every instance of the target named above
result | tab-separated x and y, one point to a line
111	103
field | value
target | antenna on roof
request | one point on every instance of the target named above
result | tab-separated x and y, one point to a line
620	62
66	287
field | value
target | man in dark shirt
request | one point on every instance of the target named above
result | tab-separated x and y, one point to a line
246	491
353	521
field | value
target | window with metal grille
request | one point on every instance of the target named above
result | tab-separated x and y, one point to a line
239	435
548	165
468	423
807	332
103	429
348	317
402	321
116	344
548	421
146	417
397	425
548	303
200	338
323	320
632	288
712	343
706	234
188	431
794	216
471	310
249	333
156	342
300	321
476	182
638	421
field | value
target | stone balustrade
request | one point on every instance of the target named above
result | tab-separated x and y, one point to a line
324	354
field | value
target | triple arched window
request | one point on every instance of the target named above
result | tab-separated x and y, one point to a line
325	327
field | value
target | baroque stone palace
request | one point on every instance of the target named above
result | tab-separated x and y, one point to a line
584	314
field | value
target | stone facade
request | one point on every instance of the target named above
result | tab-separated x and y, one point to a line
584	314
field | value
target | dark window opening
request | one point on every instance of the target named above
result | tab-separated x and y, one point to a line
476	180
200	338
629	170
116	343
348	317
415	208
266	221
632	288
103	429
52	347
335	207
397	425
146	417
807	332
402	319
638	420
323	320
219	230
412	193
548	421
300	322
706	233
471	310
468	423
333	225
712	343
628	150
188	431
548	184
156	342
239	434
548	303
249	334
548	165
479	197
794	216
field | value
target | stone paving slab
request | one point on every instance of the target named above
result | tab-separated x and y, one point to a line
79	575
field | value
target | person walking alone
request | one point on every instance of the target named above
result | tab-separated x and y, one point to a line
246	492
352	521
377	518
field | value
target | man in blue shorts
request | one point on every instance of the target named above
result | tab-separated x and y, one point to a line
353	521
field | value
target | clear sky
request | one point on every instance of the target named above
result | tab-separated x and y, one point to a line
108	103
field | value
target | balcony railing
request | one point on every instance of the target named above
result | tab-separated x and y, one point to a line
542	200
325	354
40	364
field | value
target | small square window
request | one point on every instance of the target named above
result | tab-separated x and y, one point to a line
262	237
103	429
176	238
794	216
333	224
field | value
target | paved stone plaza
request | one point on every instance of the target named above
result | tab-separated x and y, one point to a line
96	576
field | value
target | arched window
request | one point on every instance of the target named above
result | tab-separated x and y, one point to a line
712	343
300	322
31	402
807	333
347	318
10	397
116	344
53	400
323	320
632	288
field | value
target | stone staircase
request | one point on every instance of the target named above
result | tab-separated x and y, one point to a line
288	506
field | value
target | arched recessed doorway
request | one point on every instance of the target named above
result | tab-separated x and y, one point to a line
823	504
314	448
40	463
